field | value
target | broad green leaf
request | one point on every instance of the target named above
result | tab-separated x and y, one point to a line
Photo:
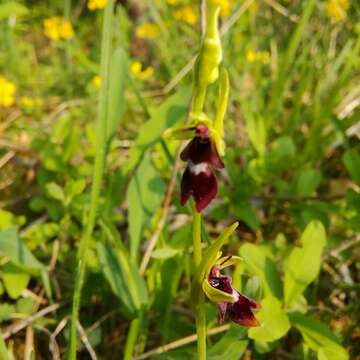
12	247
231	346
273	319
144	196
260	264
117	84
319	337
165	253
332	353
303	264
12	8
166	115
351	160
55	191
122	276
15	279
307	182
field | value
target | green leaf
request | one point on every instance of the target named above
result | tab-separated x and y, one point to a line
15	279
319	337
144	196
15	250
307	182
124	279
303	264
273	319
231	346
245	212
117	84
166	115
351	160
55	191
165	253
260	264
12	8
332	353
281	152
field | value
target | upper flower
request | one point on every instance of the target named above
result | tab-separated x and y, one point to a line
202	155
218	288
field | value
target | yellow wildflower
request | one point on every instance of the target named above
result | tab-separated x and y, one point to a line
258	56
172	2
187	14
147	31
138	71
7	92
57	28
96	80
28	103
336	9
96	4
225	7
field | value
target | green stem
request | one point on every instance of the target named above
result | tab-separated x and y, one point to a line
199	305
131	338
97	173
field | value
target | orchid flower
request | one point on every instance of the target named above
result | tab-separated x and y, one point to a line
203	153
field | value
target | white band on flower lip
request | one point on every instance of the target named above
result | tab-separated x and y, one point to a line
198	168
235	295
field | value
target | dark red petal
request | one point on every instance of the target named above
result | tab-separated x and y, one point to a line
200	150
204	190
241	311
222	283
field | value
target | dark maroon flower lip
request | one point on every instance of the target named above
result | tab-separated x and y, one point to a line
198	179
240	310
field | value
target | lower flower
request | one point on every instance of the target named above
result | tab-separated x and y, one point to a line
218	288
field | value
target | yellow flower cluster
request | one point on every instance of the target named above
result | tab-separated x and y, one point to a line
172	2
147	31
28	103
336	9
57	28
137	70
96	4
187	14
258	56
7	92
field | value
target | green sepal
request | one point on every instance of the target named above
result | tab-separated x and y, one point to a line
223	97
214	294
211	254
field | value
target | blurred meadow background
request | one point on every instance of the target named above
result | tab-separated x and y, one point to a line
292	178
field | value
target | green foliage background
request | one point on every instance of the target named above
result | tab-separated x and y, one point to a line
292	180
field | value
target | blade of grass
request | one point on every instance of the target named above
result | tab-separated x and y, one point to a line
4	354
97	172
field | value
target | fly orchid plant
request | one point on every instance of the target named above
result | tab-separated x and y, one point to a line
203	156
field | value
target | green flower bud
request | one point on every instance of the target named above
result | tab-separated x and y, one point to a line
210	56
